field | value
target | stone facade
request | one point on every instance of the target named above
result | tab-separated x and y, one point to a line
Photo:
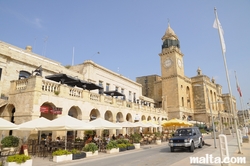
24	91
183	97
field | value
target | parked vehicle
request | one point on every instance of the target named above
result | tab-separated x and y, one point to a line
190	138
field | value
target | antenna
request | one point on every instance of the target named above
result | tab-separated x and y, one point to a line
34	45
73	56
45	44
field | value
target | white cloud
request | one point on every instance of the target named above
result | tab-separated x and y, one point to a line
37	22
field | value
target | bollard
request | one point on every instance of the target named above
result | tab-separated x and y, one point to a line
224	154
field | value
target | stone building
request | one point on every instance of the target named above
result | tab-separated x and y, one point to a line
27	93
183	97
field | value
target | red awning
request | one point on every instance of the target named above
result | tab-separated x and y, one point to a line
46	110
56	110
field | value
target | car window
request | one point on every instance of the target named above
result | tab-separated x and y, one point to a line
183	132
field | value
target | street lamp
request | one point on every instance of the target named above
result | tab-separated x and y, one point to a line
211	113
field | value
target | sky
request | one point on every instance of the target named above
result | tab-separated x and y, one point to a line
125	36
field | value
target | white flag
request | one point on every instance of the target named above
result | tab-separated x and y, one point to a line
221	33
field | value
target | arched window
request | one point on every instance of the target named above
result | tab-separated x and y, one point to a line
23	74
188	97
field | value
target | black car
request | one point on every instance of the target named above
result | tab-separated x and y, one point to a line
190	138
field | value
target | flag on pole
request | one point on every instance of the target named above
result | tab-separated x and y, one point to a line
238	89
218	26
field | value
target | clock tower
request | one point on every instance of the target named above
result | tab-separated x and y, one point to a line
172	74
171	56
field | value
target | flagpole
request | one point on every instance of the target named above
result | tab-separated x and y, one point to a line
228	80
73	56
241	98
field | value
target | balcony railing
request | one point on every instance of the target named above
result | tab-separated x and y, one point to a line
48	87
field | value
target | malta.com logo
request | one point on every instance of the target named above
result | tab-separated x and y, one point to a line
209	159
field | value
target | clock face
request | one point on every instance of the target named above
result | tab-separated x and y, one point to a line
167	63
179	63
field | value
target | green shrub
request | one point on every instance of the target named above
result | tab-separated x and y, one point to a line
122	141
203	131
122	145
136	137
75	151
88	132
61	152
129	144
112	144
18	158
91	147
10	141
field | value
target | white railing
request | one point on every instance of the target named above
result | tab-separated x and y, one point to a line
75	92
21	84
94	96
48	86
108	99
119	102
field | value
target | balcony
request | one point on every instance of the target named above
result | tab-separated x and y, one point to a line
39	86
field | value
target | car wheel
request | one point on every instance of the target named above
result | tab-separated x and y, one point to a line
191	149
201	143
172	149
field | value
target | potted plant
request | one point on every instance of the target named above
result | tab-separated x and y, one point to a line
90	149
57	92
130	146
112	147
10	142
18	160
122	147
136	138
77	154
62	155
158	137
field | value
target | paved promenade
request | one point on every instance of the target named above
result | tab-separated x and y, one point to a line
232	146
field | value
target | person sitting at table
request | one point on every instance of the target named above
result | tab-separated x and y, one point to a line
107	139
89	140
58	139
113	137
96	138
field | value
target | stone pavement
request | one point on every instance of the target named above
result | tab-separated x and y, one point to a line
215	152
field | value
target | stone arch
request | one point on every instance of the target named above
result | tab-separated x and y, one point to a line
188	97
143	117
75	112
108	116
164	118
119	117
45	111
129	117
149	118
94	113
7	112
154	118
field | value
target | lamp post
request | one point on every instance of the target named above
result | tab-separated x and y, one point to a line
211	113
